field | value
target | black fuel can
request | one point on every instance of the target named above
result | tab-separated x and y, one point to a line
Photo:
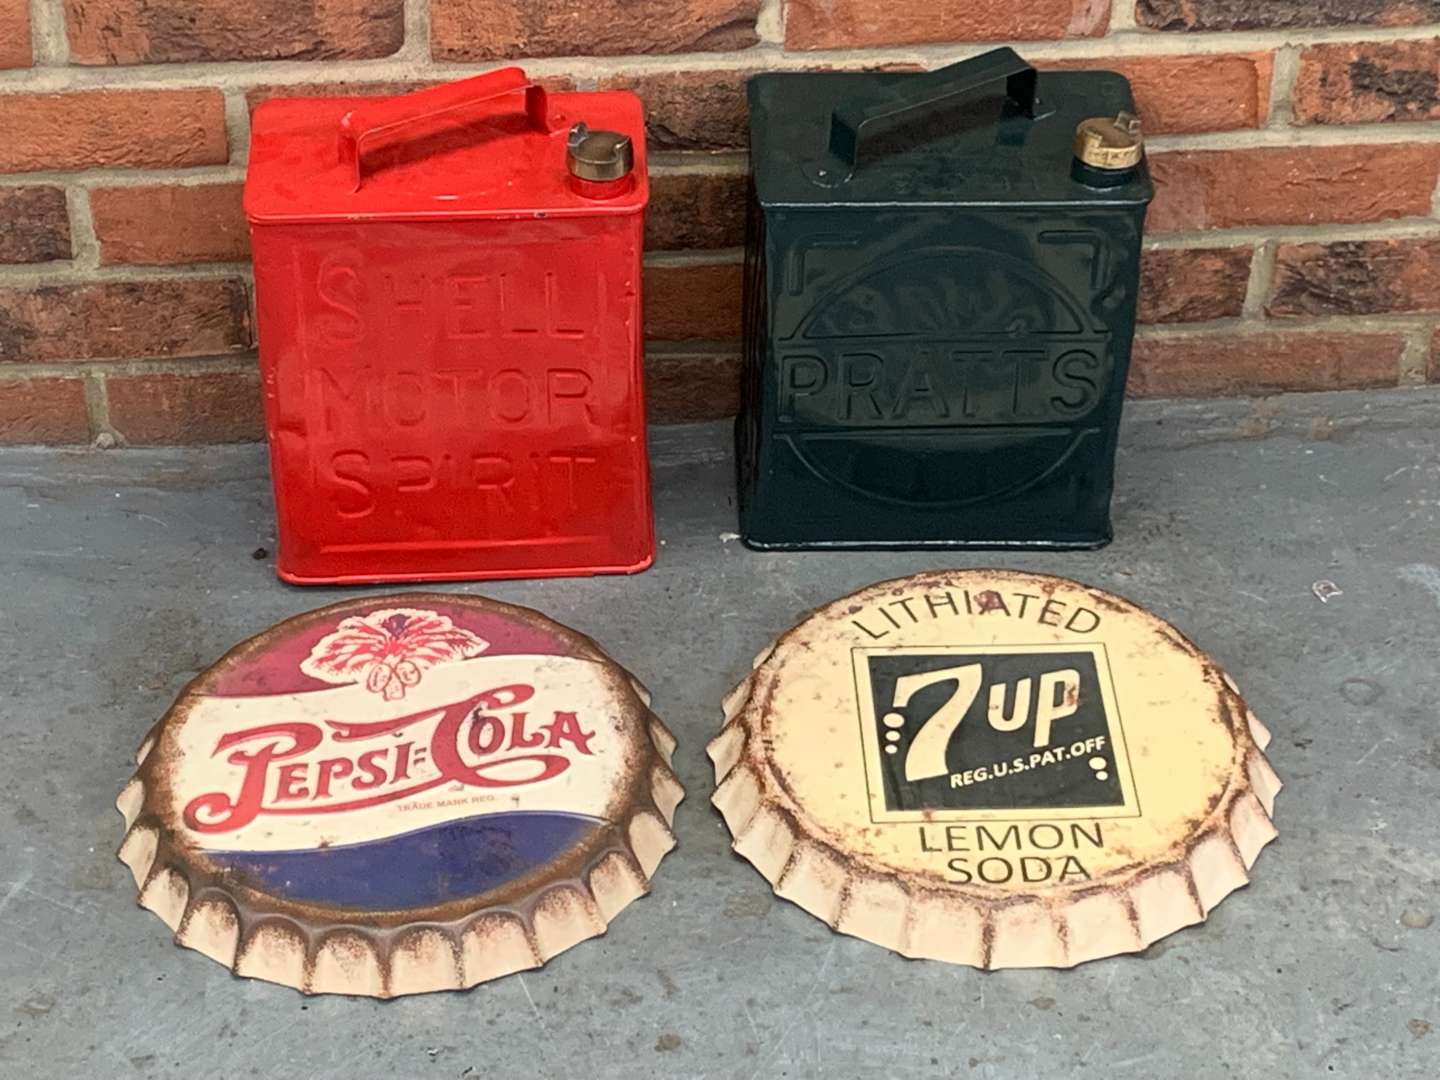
940	300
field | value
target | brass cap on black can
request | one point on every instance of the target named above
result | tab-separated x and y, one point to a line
1110	143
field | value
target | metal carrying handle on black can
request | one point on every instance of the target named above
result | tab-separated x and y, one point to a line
391	114
850	119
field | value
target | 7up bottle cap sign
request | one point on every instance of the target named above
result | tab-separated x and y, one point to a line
994	768
400	794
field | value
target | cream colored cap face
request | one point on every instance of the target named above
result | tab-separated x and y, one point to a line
394	795
990	734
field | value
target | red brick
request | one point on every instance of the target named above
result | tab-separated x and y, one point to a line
141	128
1181	94
165	31
168	223
169	409
854	24
1279	14
15	34
1193	284
702	110
1227	365
34	225
126	320
257	95
43	410
1369	82
692	302
1370	277
487	29
1432	368
691	110
682	388
695	210
1292	185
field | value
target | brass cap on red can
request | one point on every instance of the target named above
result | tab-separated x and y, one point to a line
400	794
996	769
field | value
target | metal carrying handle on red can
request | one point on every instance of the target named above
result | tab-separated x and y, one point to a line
380	117
851	119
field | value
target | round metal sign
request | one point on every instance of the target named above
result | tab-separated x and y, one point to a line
400	794
994	768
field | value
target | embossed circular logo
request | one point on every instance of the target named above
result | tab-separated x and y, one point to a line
930	341
423	759
995	768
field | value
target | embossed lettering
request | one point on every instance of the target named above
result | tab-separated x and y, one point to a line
902	384
800	377
414	472
511	395
349	470
1078	374
470	306
860	372
568	388
338	288
360	400
404	395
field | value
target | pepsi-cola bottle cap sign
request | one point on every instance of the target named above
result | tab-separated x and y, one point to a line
400	794
994	768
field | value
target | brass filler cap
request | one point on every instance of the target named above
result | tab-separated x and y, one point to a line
994	768
599	155
1110	143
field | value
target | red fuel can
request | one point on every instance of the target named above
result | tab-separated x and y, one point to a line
448	298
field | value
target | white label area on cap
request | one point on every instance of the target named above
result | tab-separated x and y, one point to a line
337	766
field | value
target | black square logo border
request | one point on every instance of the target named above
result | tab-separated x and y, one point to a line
1120	797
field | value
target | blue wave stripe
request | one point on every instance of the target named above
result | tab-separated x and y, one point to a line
427	866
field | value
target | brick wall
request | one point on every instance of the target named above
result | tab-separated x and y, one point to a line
1293	245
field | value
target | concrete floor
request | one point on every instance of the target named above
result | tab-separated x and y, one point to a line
125	573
